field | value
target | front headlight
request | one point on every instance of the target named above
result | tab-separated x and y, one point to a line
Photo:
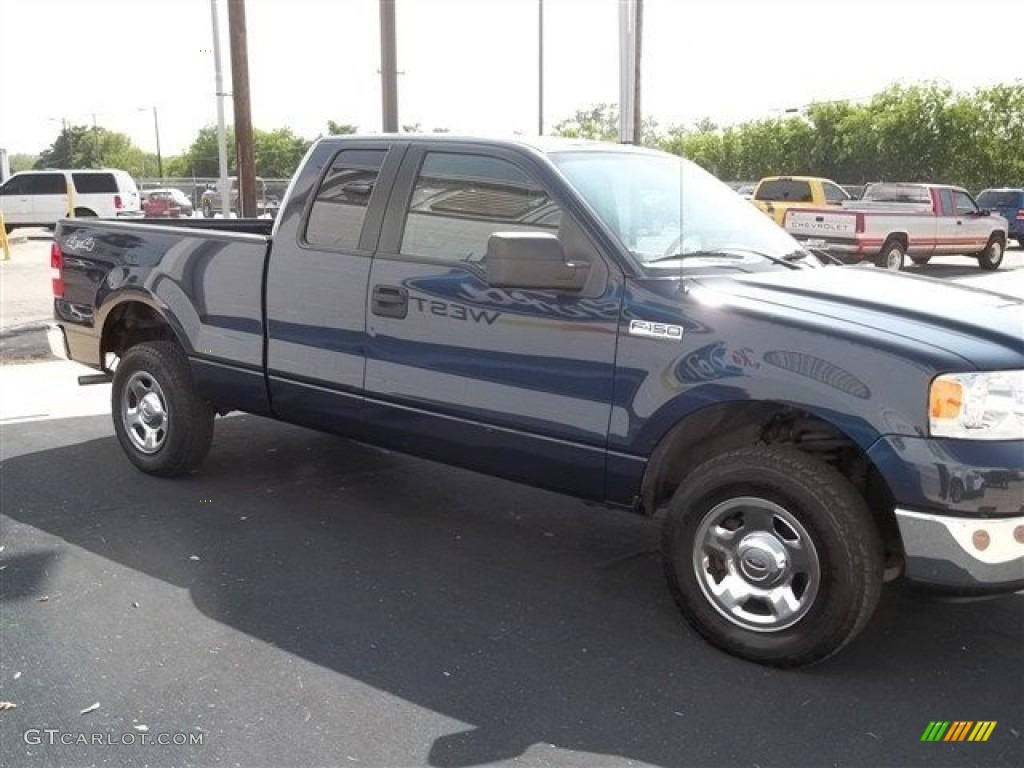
978	406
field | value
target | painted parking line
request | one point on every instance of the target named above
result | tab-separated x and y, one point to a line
49	390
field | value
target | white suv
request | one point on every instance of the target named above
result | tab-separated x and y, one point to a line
40	198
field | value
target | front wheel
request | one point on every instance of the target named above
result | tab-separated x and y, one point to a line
992	256
772	556
162	423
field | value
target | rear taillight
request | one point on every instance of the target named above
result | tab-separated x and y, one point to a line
860	224
1020	215
56	270
117	202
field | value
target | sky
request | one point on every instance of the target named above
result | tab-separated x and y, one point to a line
471	65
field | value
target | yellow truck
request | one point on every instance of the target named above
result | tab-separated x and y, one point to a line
777	194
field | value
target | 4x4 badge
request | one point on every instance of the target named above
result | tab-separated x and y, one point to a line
655	330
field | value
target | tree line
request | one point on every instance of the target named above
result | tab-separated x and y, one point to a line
922	132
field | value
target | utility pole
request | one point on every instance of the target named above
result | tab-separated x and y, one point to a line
540	67
388	68
638	114
243	109
222	142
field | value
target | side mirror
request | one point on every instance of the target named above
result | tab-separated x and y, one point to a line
532	260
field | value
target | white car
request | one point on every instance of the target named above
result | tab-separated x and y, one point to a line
40	198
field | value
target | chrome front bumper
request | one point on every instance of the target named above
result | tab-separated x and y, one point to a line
961	554
58	342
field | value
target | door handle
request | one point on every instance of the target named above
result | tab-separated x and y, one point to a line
390	301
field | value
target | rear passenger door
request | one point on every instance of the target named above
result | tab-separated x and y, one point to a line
512	382
49	192
316	284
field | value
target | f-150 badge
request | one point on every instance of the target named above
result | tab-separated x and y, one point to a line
655	330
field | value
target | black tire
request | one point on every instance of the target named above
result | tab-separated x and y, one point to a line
956	490
1020	242
162	423
992	256
820	511
920	260
8	228
84	213
892	256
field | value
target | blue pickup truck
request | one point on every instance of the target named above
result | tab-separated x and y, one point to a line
604	321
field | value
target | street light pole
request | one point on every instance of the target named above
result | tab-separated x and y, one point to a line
388	68
159	157
540	67
222	142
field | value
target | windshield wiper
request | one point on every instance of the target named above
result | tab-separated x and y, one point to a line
708	254
733	252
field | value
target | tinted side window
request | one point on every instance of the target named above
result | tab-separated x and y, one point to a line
834	194
95	183
785	191
45	184
964	204
336	219
16	185
459	201
946	201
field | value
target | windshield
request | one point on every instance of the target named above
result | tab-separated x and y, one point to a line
665	209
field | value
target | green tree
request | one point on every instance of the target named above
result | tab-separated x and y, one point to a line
277	154
341	129
80	146
22	162
601	123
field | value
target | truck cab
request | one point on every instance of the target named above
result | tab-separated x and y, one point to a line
775	195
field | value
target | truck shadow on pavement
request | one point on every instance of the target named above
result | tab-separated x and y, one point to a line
533	617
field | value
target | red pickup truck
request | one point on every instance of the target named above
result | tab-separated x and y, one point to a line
894	221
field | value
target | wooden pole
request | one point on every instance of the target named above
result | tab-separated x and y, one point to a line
243	109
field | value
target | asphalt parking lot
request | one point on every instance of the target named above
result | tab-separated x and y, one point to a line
306	600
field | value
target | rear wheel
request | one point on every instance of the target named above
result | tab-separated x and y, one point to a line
84	213
892	255
992	256
772	556
162	423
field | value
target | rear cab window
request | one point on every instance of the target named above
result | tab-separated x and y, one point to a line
784	191
339	208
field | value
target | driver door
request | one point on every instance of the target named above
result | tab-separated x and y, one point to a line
511	382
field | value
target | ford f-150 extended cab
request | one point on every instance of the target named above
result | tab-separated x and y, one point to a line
894	221
608	322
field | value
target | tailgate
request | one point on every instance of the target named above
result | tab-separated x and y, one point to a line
821	225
